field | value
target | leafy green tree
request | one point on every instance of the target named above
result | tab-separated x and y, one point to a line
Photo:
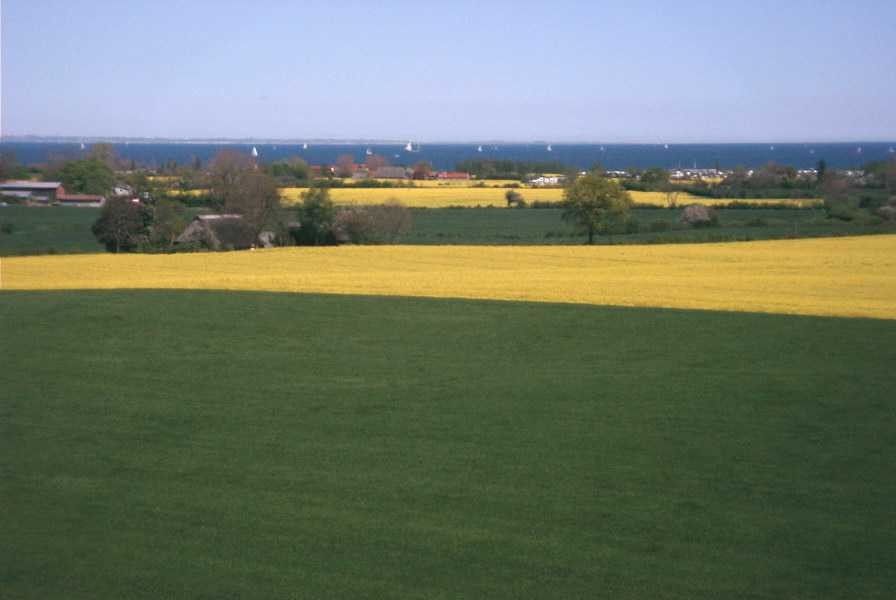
123	225
10	167
169	220
595	204
88	176
316	215
821	169
655	177
292	168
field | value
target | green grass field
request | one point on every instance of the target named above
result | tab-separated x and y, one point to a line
56	229
248	445
67	230
546	226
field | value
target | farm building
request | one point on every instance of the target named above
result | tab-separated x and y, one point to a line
80	200
390	173
547	180
218	232
453	175
38	191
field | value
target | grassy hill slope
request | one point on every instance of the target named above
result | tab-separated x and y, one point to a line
206	444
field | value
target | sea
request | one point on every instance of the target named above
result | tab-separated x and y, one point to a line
447	156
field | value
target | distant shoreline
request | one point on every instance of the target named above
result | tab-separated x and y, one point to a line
393	142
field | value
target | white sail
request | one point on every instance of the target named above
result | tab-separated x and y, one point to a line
82	145
549	148
409	147
254	152
666	146
479	149
368	152
305	146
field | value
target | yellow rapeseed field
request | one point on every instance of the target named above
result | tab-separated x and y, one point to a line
830	276
427	197
441	197
433	196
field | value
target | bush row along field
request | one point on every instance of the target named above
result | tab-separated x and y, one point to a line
185	444
832	276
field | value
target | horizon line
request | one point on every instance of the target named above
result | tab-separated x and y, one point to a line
35	138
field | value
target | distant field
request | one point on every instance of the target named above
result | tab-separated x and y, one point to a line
500	226
172	444
830	276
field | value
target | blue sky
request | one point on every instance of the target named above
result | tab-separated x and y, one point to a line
451	71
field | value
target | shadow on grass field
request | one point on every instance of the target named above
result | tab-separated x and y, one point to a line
223	445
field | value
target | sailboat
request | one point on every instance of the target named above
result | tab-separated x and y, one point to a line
549	149
368	152
479	149
82	146
254	152
771	147
859	150
305	146
409	147
666	146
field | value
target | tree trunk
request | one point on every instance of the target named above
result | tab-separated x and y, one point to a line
590	236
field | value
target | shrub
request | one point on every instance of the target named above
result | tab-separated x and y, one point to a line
514	198
887	213
843	211
757	222
7	228
383	223
352	225
697	215
660	226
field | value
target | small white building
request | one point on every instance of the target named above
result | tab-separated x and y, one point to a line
546	180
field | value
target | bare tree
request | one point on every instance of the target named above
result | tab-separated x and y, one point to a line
672	196
225	173
240	188
106	154
345	165
422	170
376	161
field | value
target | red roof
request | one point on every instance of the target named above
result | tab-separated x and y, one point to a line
453	175
79	198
